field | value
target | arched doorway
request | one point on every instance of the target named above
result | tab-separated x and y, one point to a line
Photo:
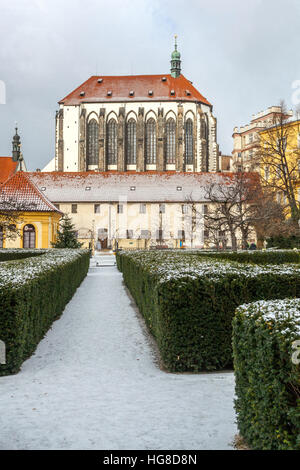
29	236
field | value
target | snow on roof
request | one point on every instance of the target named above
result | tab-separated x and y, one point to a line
134	88
132	186
20	189
7	168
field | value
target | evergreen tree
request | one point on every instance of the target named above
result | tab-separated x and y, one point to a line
66	235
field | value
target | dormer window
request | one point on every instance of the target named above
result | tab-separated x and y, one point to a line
150	92
172	92
82	93
179	188
132	188
100	80
131	93
188	92
109	93
88	188
164	79
43	188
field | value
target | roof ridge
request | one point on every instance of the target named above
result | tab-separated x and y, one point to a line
91	89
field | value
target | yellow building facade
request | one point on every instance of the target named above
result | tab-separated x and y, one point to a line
34	217
278	156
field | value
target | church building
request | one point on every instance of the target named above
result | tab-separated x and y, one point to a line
136	123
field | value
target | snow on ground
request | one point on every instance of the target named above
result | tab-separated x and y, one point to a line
93	384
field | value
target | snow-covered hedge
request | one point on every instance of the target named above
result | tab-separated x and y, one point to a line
268	373
189	301
18	253
33	293
257	256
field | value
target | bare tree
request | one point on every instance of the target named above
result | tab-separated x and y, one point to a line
279	160
11	214
233	205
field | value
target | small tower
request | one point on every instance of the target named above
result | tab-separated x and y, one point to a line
16	147
175	61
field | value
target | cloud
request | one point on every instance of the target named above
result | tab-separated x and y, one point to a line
241	55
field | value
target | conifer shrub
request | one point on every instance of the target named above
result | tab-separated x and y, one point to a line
189	301
267	371
66	234
33	293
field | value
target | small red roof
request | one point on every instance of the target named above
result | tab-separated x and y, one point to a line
134	88
20	189
7	168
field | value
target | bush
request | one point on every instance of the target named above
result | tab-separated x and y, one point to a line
267	380
256	257
188	301
18	253
284	242
33	293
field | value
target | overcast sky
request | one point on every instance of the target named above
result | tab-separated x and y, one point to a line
243	56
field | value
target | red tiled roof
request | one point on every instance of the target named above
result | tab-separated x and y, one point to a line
20	189
121	87
67	187
7	168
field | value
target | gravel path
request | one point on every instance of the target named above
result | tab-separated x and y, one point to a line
93	384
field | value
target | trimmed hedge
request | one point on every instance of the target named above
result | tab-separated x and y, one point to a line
189	301
256	256
267	380
19	253
284	242
33	293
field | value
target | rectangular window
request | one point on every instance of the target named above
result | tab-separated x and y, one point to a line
142	208
266	173
184	208
129	234
120	208
206	233
159	234
162	208
97	208
205	209
74	208
181	234
145	234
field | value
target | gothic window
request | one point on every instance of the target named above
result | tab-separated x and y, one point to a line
131	142
170	141
92	142
189	142
112	142
151	142
29	236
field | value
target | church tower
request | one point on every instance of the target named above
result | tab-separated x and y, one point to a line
16	146
175	62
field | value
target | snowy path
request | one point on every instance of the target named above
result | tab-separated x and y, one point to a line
93	384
